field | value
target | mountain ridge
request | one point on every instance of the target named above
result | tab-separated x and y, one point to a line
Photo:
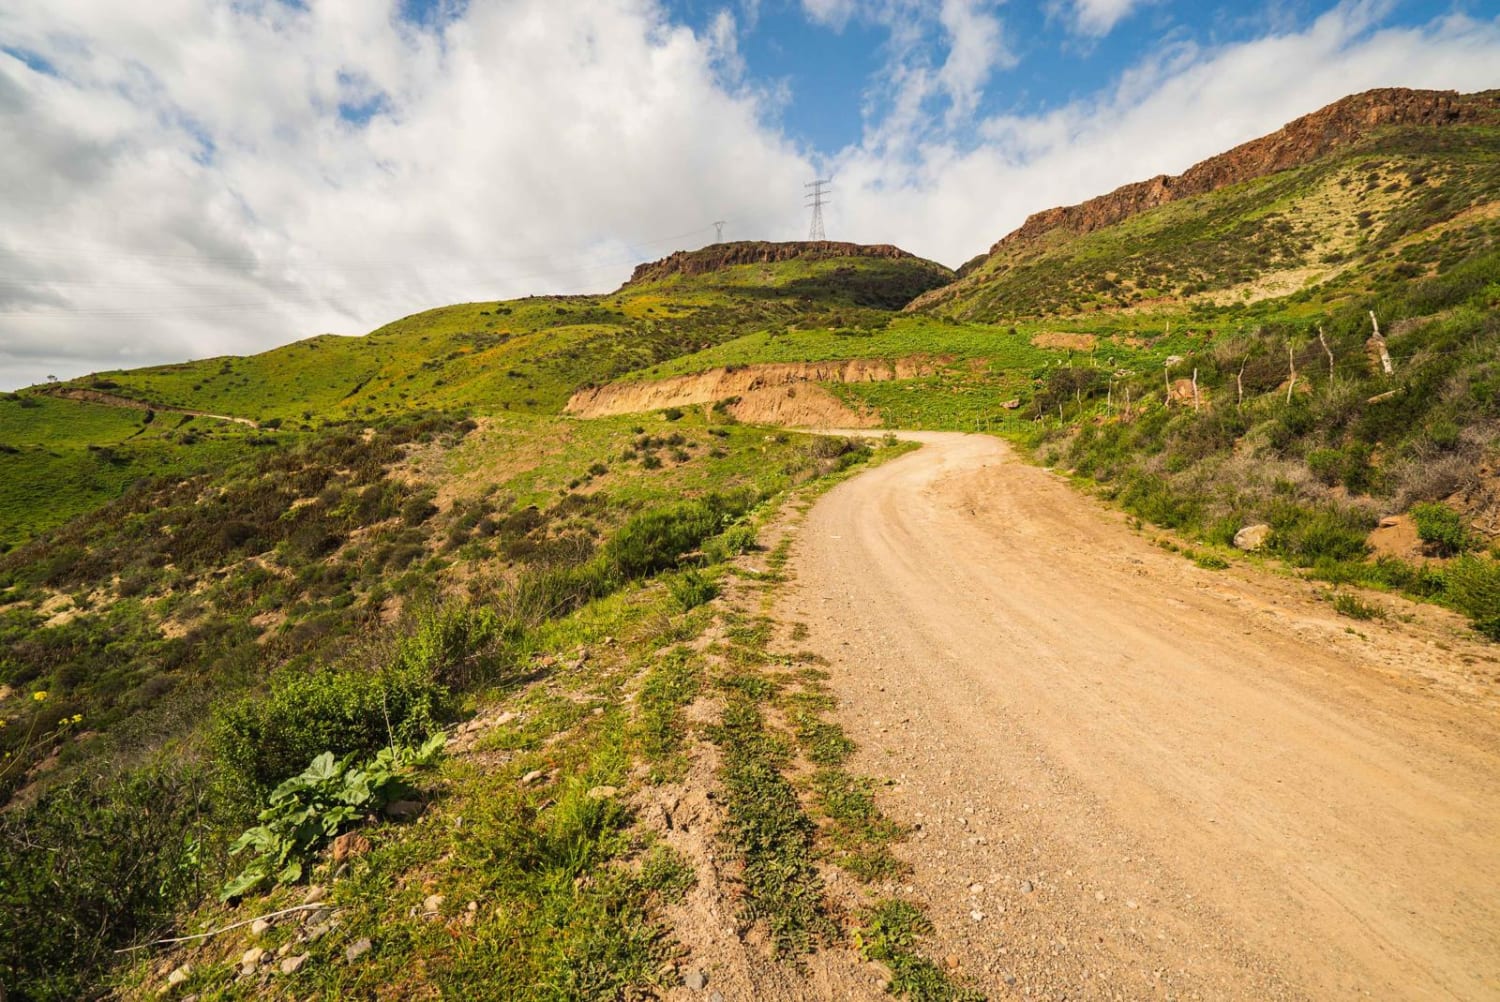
1334	127
1298	142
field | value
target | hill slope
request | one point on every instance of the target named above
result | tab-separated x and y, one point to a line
1329	193
521	356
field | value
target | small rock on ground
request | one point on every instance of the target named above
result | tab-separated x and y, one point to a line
290	964
696	980
357	949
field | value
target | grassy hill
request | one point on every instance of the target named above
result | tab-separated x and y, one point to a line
60	457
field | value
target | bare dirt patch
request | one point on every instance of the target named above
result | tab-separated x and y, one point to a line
1065	340
775	393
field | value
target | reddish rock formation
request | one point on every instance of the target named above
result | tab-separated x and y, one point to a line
1340	124
719	256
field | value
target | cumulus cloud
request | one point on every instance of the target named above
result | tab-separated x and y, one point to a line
226	177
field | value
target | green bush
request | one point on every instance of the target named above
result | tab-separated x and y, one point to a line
1311	536
266	738
653	540
312	807
1326	465
733	541
1472	584
93	865
1346	604
692	589
1441	528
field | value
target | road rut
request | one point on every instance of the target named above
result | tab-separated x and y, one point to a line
1131	777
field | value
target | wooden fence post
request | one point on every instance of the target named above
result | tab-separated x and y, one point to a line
1291	363
1328	351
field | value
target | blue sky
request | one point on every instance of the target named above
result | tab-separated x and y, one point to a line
207	177
831	72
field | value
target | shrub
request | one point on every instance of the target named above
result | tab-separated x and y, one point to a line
692	589
264	739
1472	584
738	538
309	809
93	865
1346	604
417	510
1326	465
653	540
672	413
1441	528
1309	536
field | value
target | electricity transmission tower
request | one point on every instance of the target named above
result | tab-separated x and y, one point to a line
719	231
817	198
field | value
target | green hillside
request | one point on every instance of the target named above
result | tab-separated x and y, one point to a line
529	354
1391	207
61	457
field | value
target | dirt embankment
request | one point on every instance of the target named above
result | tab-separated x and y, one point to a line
112	400
774	393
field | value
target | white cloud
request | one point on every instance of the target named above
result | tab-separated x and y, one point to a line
185	186
937	56
1097	18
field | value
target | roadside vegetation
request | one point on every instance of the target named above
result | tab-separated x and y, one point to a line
176	661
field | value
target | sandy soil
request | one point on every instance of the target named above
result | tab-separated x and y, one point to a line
780	393
1132	778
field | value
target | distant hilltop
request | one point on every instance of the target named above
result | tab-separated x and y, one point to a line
1342	123
717	257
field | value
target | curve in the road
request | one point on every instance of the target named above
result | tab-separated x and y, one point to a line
1131	777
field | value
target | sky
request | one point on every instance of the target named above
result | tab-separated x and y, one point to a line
189	178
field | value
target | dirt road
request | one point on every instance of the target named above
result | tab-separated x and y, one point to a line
1135	778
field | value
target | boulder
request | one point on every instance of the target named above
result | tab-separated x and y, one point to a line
1252	537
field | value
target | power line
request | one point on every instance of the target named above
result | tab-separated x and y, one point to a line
818	198
719	231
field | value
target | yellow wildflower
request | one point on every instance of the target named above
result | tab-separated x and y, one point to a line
40	695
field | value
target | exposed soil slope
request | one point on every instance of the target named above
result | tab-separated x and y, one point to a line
1134	778
777	393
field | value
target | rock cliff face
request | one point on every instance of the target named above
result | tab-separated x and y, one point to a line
716	257
1339	124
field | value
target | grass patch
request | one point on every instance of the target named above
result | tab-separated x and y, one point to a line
769	831
1350	605
891	932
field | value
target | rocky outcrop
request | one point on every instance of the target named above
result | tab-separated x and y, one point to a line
717	257
1340	124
